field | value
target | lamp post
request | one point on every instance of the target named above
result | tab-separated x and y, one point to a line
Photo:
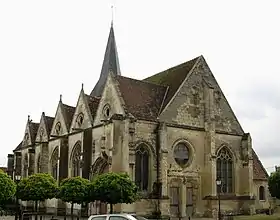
219	183
17	179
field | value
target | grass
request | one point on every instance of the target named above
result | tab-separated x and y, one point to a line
258	217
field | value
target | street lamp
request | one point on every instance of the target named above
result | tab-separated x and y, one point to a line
17	179
219	183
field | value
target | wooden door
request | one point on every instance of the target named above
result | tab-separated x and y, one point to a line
174	201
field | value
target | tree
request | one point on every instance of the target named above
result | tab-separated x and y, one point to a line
7	188
114	188
37	187
274	184
73	190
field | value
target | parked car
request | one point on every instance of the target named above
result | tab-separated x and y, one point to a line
116	217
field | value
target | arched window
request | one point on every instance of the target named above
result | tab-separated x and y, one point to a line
39	164
142	167
76	154
25	166
224	170
54	164
261	193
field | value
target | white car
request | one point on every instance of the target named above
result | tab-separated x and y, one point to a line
122	216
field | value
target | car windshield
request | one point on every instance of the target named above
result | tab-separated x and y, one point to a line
138	217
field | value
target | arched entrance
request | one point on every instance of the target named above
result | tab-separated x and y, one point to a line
100	166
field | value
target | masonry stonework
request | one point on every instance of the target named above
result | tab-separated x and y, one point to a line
177	123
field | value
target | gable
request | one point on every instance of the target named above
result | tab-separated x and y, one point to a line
187	105
83	116
30	133
110	102
43	132
59	126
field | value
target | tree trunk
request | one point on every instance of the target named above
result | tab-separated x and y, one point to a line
111	208
72	207
36	210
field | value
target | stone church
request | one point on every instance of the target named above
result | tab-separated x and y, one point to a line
173	132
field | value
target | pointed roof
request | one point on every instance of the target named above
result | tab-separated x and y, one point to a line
33	131
49	122
172	78
93	103
110	62
149	99
259	172
68	112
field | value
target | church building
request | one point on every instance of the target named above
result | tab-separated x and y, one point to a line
174	133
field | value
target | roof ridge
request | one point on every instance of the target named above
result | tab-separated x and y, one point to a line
181	65
141	81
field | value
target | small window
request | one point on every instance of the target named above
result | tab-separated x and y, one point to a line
80	119
106	111
261	193
57	128
181	154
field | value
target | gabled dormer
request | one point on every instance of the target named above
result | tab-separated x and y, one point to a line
111	101
62	119
31	129
84	112
44	129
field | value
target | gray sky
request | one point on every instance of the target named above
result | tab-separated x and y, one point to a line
51	47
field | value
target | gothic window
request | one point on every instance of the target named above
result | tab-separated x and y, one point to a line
142	167
261	193
80	119
225	170
57	128
39	164
76	160
181	154
25	166
54	164
106	111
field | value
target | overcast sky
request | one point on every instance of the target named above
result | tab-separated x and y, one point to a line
48	48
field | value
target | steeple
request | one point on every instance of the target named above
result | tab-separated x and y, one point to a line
110	62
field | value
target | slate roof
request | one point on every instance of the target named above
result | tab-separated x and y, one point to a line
68	112
18	147
110	62
49	122
93	103
33	131
172	78
259	172
142	99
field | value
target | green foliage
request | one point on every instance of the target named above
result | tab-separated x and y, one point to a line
37	187
274	184
115	188
7	188
74	190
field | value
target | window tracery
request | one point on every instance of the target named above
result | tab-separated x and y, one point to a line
80	119
76	160
57	128
181	154
142	167
54	164
225	171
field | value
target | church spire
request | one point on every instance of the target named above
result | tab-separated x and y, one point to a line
110	63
